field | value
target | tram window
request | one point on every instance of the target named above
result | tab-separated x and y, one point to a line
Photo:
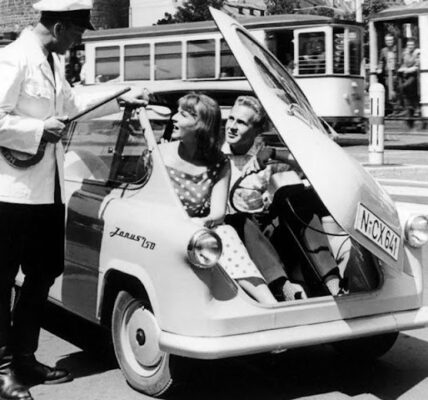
354	52
137	62
107	60
168	61
201	59
311	53
338	51
229	67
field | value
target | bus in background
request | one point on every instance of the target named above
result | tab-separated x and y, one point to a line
323	54
403	23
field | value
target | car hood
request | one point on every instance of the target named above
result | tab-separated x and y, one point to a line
349	193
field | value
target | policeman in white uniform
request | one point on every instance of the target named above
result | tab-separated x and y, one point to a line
35	100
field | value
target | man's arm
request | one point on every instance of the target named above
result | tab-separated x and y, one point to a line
17	132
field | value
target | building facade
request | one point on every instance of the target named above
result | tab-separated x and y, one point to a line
15	15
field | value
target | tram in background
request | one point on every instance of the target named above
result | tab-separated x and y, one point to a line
403	22
323	54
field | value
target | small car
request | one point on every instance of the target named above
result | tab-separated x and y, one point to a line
136	263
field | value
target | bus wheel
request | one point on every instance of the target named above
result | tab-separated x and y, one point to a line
135	335
367	348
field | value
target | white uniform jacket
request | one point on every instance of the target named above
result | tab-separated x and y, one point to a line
29	94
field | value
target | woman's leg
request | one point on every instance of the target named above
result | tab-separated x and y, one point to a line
257	289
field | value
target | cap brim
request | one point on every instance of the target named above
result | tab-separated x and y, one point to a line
88	26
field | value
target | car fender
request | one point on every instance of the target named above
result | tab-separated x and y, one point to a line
134	271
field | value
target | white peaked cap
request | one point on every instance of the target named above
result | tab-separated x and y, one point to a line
62	5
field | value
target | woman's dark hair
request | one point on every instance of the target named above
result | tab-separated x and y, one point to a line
210	136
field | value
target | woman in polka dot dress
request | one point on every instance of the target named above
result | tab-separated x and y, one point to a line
200	173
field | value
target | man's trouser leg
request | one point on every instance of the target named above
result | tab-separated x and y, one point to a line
258	246
12	223
42	262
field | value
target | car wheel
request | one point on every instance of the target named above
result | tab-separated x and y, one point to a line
136	343
366	348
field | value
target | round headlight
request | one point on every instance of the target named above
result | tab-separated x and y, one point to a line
204	249
416	230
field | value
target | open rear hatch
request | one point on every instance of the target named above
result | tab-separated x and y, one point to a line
352	197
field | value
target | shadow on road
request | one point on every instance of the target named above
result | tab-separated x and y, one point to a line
97	353
311	371
306	372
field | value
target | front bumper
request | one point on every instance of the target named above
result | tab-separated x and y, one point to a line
297	336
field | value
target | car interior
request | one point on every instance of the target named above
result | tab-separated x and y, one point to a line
114	151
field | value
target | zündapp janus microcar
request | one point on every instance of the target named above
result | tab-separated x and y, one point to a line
139	266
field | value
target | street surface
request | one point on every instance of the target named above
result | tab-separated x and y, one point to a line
315	372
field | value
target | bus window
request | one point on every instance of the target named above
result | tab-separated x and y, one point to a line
338	51
354	52
228	65
311	53
168	61
201	59
137	62
107	63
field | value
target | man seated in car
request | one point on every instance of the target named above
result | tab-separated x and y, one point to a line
248	154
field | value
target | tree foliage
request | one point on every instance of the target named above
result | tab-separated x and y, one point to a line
281	6
192	11
372	7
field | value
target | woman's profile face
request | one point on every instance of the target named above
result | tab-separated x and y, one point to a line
184	123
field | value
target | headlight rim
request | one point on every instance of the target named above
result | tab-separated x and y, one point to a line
408	228
192	246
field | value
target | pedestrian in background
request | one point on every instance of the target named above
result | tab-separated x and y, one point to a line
387	73
35	99
409	71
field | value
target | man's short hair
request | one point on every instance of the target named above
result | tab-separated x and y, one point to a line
259	118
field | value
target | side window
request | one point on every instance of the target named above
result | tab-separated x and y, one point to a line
107	60
137	62
201	59
111	149
354	52
160	121
311	53
338	51
168	61
229	67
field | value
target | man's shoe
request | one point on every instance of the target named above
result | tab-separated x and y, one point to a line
29	369
10	388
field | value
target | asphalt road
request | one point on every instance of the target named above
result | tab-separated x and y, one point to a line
315	372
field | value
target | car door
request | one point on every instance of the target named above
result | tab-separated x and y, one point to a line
101	159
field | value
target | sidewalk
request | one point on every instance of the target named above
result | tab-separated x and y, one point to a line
405	155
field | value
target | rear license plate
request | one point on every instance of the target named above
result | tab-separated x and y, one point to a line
377	231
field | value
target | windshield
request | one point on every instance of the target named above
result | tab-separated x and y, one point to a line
276	77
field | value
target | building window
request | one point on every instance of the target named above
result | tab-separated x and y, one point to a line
107	61
168	61
201	59
137	62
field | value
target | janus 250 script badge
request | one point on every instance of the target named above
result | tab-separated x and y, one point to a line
379	233
145	244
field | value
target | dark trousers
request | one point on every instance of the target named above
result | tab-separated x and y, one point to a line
258	246
31	236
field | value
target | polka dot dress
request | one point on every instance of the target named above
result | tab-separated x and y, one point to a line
235	259
194	191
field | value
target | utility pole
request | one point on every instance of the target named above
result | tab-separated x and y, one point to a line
359	10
